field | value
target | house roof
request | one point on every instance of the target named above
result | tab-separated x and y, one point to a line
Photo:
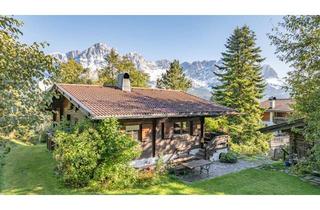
283	126
101	102
281	105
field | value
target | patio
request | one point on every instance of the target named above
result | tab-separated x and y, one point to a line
219	169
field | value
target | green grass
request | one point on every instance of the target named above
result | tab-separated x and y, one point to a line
30	170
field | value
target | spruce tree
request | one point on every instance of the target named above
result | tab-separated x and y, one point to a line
174	78
241	87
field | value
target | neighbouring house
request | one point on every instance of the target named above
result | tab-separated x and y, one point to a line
163	121
298	146
276	110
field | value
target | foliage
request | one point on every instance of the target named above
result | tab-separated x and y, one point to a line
311	163
229	157
174	78
23	70
241	88
76	155
217	124
116	64
72	73
91	154
297	41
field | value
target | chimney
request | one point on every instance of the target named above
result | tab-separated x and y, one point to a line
124	82
272	101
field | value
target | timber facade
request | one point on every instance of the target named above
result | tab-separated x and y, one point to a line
163	121
157	136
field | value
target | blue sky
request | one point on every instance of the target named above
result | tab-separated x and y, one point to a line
187	38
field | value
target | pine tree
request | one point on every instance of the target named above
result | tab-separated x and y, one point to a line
116	64
174	78
241	88
72	73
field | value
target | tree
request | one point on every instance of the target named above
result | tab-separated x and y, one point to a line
174	78
297	41
22	69
72	73
116	64
241	88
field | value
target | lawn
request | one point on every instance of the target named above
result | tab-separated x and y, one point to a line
30	170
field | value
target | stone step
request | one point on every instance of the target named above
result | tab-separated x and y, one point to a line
313	179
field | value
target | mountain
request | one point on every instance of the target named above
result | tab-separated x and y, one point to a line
200	72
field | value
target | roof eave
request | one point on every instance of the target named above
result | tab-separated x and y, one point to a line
164	115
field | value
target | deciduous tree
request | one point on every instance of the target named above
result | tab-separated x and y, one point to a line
72	73
23	70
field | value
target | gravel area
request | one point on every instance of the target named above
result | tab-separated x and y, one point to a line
219	169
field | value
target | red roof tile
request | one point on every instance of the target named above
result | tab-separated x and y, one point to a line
281	105
101	102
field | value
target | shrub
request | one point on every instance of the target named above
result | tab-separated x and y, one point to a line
76	154
256	143
216	124
229	157
96	154
311	163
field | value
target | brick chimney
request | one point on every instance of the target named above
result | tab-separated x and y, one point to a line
124	82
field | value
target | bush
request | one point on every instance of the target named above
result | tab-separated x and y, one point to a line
311	163
255	143
96	154
218	124
229	157
76	154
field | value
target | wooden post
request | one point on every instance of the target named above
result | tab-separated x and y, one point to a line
202	127
154	134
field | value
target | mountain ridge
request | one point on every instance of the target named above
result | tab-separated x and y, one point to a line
200	72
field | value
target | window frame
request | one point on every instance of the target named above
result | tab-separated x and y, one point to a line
130	131
182	127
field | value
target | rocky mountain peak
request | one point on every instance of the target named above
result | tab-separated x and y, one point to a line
200	72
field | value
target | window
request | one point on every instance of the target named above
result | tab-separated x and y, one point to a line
133	131
184	128
68	117
180	127
177	127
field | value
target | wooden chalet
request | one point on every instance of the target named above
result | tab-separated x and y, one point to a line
161	120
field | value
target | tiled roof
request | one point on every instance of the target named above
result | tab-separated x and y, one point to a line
281	105
101	102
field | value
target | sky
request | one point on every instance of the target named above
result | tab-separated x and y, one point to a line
187	38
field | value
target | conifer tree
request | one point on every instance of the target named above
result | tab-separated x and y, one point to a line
116	64
174	78
241	87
